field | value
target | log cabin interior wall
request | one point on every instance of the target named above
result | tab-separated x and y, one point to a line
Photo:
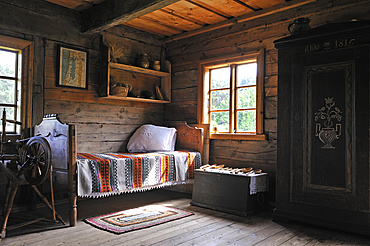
48	25
185	54
101	121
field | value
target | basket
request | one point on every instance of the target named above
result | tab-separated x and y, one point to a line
119	91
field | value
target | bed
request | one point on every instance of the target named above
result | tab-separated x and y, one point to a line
102	174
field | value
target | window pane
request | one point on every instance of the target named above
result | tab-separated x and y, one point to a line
10	116
220	78
246	74
7	91
220	120
247	97
220	99
246	121
7	63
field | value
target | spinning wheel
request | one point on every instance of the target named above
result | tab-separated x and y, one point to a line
36	160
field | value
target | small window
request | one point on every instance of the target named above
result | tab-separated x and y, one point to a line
10	87
231	100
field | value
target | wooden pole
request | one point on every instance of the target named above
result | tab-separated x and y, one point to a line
72	144
3	133
52	192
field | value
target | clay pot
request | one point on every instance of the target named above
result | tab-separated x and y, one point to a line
300	25
143	60
156	65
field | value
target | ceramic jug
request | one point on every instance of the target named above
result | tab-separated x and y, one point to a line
300	25
143	60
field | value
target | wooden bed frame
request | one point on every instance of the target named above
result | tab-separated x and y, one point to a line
62	139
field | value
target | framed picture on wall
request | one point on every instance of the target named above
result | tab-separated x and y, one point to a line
72	67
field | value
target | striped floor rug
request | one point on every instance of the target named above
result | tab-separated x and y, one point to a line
137	218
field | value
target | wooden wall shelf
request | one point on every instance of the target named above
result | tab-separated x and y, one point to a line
137	99
138	69
139	78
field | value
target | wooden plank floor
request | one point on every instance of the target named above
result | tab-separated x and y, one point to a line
205	227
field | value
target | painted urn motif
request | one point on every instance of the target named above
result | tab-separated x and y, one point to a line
328	114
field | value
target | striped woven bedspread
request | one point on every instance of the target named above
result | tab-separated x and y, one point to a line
100	175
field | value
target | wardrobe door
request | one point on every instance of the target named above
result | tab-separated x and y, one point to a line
330	130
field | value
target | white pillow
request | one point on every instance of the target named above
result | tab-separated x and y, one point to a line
152	138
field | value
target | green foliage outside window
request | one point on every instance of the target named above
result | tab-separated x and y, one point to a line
245	96
220	99
246	121
220	78
7	86
220	120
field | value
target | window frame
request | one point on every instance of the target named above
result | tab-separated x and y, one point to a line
203	92
26	48
17	90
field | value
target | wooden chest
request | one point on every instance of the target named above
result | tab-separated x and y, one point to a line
228	193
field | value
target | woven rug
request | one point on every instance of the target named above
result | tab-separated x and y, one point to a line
137	218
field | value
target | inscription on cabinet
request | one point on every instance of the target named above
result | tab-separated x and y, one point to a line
329	45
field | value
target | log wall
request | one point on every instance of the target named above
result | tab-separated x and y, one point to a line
185	54
102	124
106	122
49	26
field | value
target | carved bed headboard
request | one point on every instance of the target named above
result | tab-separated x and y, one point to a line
193	137
57	135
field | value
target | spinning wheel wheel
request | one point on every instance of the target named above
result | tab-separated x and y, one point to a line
36	160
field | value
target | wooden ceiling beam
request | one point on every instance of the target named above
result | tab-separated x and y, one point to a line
246	5
209	8
158	23
187	18
150	27
195	13
114	12
176	21
247	17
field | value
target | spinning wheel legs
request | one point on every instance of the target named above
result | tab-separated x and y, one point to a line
11	191
43	198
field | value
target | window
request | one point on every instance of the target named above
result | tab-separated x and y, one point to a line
10	87
231	92
16	76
